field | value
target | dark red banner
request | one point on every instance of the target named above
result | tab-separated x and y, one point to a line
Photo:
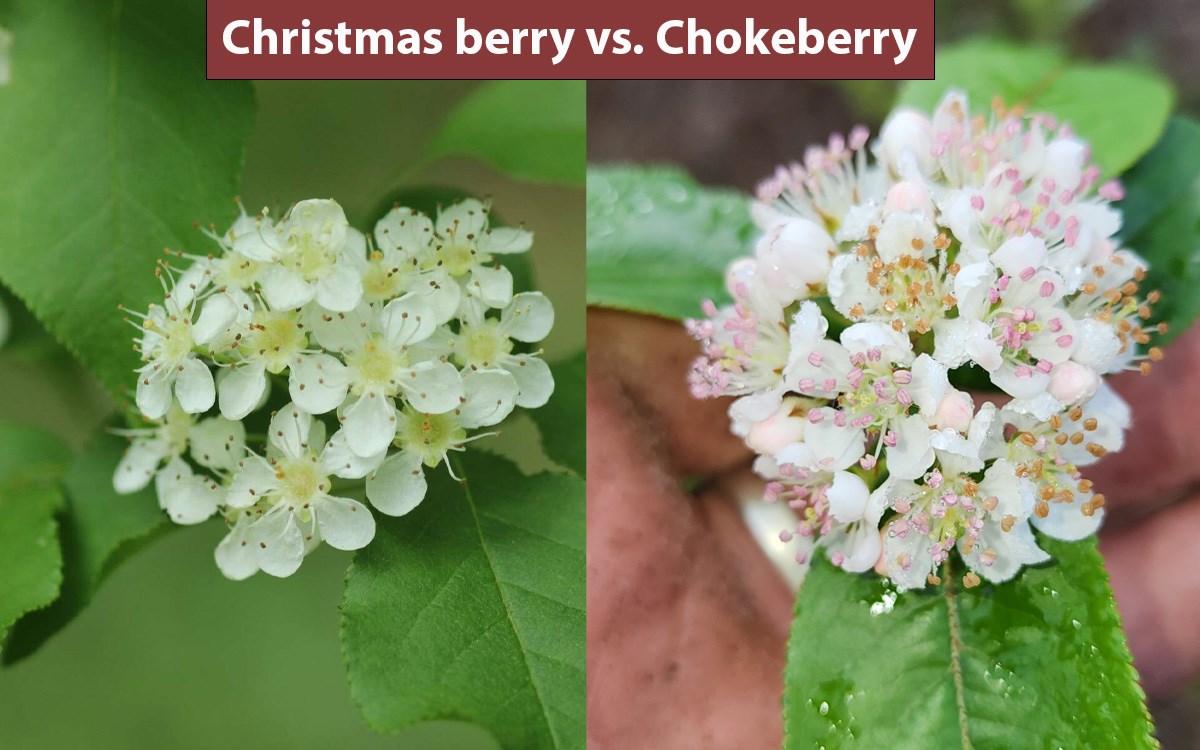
543	39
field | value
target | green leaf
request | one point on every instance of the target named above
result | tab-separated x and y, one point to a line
1161	221
91	194
472	607
99	529
658	243
531	130
561	420
1120	109
1037	662
30	557
429	199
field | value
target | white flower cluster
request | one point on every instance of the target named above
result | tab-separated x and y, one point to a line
967	242
391	351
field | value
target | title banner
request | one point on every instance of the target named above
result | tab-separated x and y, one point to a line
542	39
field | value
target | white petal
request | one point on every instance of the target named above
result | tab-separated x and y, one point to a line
153	395
343	331
930	381
1010	551
341	290
216	316
409	319
1019	253
138	465
339	460
533	377
253	479
318	383
859	548
285	289
278	543
847	496
913	452
467	217
241	389
1030	384
834	447
289	430
370	424
194	387
344	524
491	286
404	230
490	396
218	443
321	219
263	244
1067	522
907	558
894	346
444	296
529	317
399	484
505	241
235	557
187	499
432	387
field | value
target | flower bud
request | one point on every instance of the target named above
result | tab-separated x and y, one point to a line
906	131
955	411
1073	383
777	431
791	256
909	196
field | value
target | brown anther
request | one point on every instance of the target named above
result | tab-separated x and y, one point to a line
897	325
1154	297
953	269
1085	485
1006	523
1029	439
933	579
1056	422
1155	354
1096	449
941	242
918	243
1087	509
1144	368
857	311
1129	287
970	580
1075	413
1046	493
1090	424
1098	501
1076	438
1089	287
1042	510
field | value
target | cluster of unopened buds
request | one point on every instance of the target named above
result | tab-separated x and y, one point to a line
302	364
967	245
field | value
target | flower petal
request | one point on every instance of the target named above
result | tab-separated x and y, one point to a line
489	397
341	290
339	460
370	424
491	286
234	556
505	241
344	524
218	443
399	484
289	430
219	312
848	495
409	319
153	395
253	479
278	542
533	377
285	289
318	383
241	389
432	387
138	465
194	387
467	217
529	317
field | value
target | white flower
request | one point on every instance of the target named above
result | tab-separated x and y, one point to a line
171	332
270	341
794	256
398	485
483	343
304	257
281	506
377	368
464	247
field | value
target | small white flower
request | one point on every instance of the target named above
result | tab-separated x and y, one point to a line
304	257
399	485
281	506
171	333
486	343
464	247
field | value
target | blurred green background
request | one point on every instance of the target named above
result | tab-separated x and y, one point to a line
172	655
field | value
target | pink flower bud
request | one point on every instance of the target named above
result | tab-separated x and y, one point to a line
909	196
1073	383
955	411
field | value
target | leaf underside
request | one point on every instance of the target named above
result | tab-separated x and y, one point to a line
472	607
112	144
1036	662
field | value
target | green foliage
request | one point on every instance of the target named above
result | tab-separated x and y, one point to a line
1161	214
30	557
561	420
531	130
1037	662
657	242
99	529
112	144
1044	80
472	607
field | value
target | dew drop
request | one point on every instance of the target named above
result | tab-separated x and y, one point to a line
823	708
